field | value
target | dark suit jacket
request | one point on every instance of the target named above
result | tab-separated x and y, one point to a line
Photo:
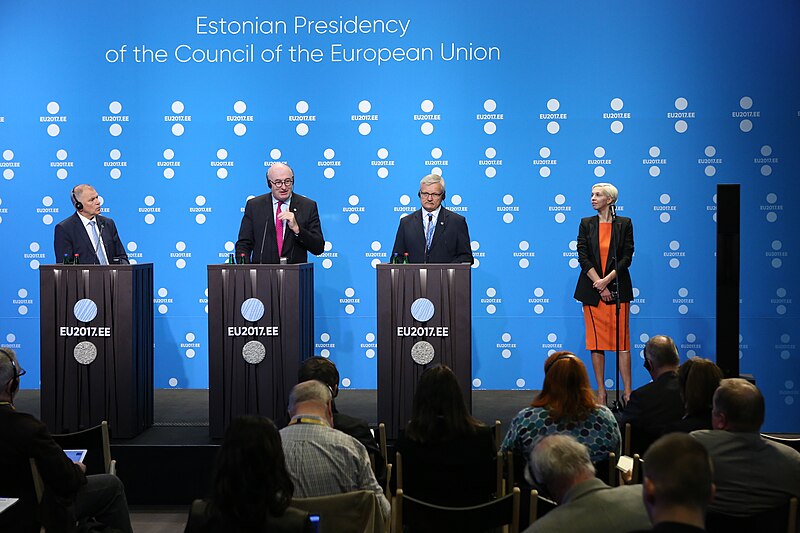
71	238
258	226
652	410
21	437
450	243
359	430
589	257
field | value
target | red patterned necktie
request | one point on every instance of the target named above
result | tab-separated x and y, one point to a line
279	229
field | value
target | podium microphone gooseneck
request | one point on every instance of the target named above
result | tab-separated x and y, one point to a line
617	404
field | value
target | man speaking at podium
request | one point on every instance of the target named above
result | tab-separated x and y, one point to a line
433	234
86	237
295	217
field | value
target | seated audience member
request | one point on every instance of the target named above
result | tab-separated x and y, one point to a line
69	494
321	460
752	474
565	405
654	407
251	490
448	455
678	484
698	379
325	371
562	468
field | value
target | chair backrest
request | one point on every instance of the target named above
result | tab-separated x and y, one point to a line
782	518
626	447
423	516
382	440
97	442
790	442
471	484
638	470
606	470
38	483
498	436
350	512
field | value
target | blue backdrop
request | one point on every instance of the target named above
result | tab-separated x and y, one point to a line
173	111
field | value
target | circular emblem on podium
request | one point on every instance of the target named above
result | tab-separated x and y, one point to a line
85	352
422	352
422	309
85	310
252	309
253	352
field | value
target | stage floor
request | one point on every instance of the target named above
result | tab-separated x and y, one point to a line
181	415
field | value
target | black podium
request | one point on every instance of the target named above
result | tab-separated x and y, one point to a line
96	331
424	318
260	327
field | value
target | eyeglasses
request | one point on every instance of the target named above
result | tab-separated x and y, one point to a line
282	183
433	195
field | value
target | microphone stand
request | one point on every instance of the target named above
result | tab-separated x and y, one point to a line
616	404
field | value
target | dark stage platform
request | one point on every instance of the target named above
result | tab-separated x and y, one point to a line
170	463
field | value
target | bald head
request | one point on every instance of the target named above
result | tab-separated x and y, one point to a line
660	350
738	406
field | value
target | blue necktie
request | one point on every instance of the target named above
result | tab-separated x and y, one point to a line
429	234
98	247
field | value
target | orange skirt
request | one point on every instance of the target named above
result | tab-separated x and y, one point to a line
601	323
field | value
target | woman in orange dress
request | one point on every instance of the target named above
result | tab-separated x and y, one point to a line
599	278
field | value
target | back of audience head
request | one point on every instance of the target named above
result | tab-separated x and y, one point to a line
560	462
677	475
9	373
738	406
320	369
698	379
566	390
438	411
309	396
660	353
250	478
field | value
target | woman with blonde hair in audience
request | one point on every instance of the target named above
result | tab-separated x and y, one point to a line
447	453
251	489
566	405
698	379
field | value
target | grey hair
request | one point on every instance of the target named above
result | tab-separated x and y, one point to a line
309	391
608	190
9	367
558	459
77	192
432	179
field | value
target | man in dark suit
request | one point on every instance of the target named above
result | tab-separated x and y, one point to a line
655	406
86	235
295	216
433	234
678	484
324	370
69	494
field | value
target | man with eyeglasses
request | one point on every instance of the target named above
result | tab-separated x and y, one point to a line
70	495
279	225
433	234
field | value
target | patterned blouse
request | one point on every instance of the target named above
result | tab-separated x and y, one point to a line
599	431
